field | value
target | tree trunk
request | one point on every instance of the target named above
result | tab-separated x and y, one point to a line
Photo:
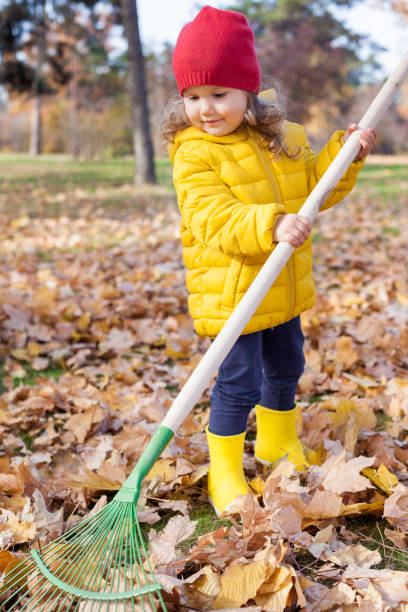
142	142
75	147
36	122
36	127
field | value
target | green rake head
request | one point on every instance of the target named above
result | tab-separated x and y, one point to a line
99	565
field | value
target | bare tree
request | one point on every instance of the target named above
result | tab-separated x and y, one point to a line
142	142
40	45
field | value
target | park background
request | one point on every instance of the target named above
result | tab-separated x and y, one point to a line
65	69
95	336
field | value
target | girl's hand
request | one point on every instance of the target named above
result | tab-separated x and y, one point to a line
292	228
367	139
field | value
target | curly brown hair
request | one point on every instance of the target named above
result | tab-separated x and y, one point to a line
263	115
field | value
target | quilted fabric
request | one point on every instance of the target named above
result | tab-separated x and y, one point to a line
231	193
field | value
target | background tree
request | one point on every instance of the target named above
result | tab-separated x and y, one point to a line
34	38
143	146
23	36
82	84
308	50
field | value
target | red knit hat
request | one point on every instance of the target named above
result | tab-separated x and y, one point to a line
217	48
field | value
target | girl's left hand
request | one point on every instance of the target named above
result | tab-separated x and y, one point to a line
367	139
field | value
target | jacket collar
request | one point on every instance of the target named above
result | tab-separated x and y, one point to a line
193	133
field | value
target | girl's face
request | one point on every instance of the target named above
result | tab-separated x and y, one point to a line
215	110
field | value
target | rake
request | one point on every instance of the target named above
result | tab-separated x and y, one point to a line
102	563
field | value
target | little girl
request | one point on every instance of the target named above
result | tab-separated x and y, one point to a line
241	174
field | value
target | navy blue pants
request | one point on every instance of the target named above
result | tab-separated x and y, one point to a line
261	368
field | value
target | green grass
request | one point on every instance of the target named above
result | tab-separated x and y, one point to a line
386	182
54	185
370	533
28	375
207	521
58	171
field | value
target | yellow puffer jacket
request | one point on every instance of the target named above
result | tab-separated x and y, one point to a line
230	194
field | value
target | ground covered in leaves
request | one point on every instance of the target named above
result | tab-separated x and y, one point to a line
96	342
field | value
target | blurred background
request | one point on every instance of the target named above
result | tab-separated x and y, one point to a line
66	71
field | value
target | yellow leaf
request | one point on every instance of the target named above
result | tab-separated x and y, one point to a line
239	583
205	588
402	298
362	508
382	478
76	335
165	468
315	456
44	298
362	382
258	485
274	594
346	354
34	349
173	353
83	322
92	480
5	558
20	354
7	564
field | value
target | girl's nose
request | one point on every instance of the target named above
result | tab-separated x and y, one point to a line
206	106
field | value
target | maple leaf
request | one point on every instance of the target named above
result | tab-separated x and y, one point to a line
338	475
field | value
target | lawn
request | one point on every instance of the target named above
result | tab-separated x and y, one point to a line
96	341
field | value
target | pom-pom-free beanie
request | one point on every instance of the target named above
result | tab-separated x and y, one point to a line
217	48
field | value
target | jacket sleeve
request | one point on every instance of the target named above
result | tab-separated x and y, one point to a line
316	166
215	217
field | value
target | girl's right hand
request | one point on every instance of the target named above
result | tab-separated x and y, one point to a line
292	228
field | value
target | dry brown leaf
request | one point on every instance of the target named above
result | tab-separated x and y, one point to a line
162	546
81	423
337	597
91	480
356	554
396	508
338	475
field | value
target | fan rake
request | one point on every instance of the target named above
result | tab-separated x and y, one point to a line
102	563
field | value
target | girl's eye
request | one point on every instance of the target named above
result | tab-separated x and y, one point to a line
219	95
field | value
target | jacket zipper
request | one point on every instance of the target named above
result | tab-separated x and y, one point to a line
278	199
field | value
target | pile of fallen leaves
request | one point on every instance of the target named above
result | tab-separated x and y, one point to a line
102	302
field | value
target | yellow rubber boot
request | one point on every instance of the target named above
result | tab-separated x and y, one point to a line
226	477
276	437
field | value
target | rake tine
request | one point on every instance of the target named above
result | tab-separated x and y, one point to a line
142	546
110	519
97	537
115	536
137	549
109	558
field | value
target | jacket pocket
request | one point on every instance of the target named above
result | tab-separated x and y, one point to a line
229	293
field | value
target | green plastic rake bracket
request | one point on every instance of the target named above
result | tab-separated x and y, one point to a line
130	490
150	588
